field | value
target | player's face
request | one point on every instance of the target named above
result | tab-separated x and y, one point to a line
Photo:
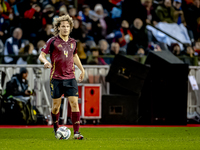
64	28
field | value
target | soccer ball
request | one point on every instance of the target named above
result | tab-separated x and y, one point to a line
63	133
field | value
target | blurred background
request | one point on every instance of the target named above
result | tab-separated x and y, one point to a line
141	60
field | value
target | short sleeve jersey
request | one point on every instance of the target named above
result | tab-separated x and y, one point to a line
61	54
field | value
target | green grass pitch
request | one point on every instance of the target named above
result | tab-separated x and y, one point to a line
147	138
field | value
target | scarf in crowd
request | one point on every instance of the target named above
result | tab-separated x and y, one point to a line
3	5
125	31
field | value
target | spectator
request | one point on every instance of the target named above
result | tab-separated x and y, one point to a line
45	34
13	5
99	25
33	12
5	10
25	52
62	11
40	45
48	14
103	47
175	49
12	46
179	18
119	38
125	30
33	22
105	3
104	50
23	6
18	85
81	52
165	12
76	32
115	50
94	57
192	13
88	46
178	13
72	11
139	43
189	51
56	3
84	14
150	11
15	20
87	31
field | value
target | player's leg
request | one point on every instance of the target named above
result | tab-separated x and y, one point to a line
56	93
73	100
55	113
71	92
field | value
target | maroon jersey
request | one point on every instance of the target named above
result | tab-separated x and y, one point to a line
61	54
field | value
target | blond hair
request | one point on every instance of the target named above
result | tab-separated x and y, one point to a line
57	21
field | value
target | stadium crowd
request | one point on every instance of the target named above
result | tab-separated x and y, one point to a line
101	27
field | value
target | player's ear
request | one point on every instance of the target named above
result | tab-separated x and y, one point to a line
58	28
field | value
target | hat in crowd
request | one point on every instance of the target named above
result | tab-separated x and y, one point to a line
23	70
70	7
90	44
98	7
180	1
63	10
49	7
85	6
118	34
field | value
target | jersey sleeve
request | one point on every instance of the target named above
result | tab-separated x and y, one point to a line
75	50
47	47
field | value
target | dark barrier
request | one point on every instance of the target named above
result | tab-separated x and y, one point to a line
164	97
120	109
127	74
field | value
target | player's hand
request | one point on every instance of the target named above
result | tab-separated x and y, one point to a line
81	77
47	65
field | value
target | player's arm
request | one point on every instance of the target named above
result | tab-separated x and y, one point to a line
43	59
79	65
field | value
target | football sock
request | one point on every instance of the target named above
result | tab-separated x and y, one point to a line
55	118
76	121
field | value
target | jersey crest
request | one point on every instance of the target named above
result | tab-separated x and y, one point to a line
72	46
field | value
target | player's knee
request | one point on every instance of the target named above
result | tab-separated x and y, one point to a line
55	110
75	107
74	104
